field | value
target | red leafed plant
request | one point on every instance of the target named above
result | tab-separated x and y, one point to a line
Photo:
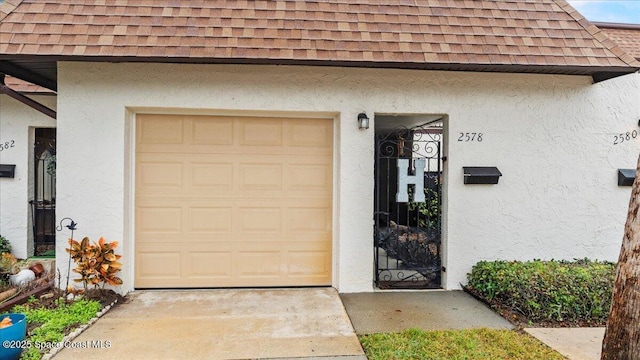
96	263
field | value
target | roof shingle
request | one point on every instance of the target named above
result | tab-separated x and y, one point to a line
24	87
627	36
539	33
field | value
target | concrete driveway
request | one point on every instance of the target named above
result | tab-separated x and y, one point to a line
221	324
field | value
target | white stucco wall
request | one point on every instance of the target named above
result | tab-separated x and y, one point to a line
551	136
17	122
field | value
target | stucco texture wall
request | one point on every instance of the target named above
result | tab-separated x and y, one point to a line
551	136
16	129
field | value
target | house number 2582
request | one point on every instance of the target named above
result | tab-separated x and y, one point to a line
470	136
7	144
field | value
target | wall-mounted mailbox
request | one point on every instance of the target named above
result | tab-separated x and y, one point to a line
7	171
481	174
626	177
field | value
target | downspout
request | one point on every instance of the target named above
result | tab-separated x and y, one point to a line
4	89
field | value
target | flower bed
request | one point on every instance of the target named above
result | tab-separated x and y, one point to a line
52	319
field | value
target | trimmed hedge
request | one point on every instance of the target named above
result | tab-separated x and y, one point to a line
558	291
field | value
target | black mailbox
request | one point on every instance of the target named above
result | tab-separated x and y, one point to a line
626	177
7	171
481	174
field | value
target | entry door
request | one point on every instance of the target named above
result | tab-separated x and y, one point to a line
43	203
230	201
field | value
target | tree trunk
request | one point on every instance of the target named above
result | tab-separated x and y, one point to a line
622	336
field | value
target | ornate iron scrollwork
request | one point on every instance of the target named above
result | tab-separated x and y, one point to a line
408	234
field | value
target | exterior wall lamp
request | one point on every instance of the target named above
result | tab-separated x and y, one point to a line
363	121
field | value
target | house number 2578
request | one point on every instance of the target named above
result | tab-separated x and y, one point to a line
7	144
470	136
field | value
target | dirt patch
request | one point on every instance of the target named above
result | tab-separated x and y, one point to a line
49	299
105	297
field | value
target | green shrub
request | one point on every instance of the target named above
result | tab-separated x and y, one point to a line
5	246
547	290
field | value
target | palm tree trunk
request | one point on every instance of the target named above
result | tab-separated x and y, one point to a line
622	336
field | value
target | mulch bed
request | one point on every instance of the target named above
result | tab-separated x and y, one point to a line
520	321
105	297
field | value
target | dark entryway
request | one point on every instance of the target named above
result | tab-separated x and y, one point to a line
43	205
408	226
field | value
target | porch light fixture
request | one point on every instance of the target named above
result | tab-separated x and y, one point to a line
363	121
626	177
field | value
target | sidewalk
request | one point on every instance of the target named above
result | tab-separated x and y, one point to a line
574	343
427	310
444	310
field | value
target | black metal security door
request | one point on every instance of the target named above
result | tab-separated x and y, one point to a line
43	205
407	225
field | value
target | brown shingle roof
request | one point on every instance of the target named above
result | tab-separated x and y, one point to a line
24	87
627	36
544	35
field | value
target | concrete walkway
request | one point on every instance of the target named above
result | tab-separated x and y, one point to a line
427	310
223	324
574	343
309	324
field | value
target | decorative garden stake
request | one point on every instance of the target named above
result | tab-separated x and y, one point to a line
72	227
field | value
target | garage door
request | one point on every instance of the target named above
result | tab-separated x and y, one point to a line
232	201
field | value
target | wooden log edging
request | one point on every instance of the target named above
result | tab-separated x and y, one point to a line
75	333
22	298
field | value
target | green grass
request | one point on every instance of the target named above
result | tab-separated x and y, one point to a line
472	344
52	323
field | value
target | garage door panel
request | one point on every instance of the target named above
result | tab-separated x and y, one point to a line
258	263
236	202
205	264
309	177
261	220
309	219
309	260
261	132
157	174
257	176
158	264
159	219
309	263
160	129
217	176
205	130
210	219
312	133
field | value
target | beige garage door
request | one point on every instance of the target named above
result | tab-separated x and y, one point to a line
232	201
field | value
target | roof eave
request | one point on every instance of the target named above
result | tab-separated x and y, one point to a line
620	26
598	73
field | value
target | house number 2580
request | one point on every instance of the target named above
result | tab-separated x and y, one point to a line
7	144
470	136
620	138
